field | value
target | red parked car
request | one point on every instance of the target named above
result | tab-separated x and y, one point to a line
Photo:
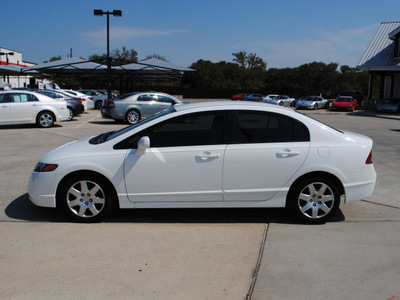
344	103
239	96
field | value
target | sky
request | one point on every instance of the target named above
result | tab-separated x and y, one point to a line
284	33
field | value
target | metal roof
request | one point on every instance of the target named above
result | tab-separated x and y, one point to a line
379	54
151	69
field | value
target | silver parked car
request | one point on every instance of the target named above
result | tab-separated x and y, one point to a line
132	107
312	102
281	100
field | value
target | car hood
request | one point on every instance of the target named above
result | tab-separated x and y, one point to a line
305	102
70	150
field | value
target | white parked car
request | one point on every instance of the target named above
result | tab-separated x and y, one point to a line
281	100
30	107
312	102
271	96
218	154
97	97
88	103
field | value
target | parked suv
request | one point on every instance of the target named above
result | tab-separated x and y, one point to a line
132	107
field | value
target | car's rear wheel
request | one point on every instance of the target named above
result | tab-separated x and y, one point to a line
86	198
98	104
45	119
70	114
132	116
314	200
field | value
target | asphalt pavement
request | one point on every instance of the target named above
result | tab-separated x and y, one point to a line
198	254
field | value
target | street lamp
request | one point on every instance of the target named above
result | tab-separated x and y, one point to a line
7	54
115	13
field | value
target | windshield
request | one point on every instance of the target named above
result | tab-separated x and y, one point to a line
344	100
104	137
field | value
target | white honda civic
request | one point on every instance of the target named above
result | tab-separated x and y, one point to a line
219	154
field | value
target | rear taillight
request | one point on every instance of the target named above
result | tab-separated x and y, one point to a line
91	98
80	101
108	103
369	159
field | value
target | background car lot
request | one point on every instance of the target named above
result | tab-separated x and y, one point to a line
197	254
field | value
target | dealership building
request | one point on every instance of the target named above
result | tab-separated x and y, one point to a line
11	63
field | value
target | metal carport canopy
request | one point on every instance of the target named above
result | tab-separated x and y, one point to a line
150	69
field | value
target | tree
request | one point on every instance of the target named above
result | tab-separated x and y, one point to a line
253	70
156	56
54	58
118	57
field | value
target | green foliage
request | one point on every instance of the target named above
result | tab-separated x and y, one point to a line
119	57
156	56
54	58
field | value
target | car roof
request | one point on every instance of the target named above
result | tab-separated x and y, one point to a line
229	105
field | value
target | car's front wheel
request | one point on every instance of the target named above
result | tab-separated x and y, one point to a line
132	116
314	200
86	198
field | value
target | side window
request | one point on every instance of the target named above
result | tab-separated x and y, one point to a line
20	97
188	130
263	127
32	98
165	99
147	97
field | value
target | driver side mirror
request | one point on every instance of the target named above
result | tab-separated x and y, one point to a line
143	143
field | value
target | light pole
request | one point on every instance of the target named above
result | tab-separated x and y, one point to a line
115	13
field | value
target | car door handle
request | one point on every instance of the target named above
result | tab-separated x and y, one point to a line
207	155
287	153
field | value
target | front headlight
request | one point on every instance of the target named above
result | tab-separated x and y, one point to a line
42	167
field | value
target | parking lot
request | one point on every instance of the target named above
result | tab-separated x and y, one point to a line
198	254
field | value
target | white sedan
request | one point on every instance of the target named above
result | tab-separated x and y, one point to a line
30	107
218	154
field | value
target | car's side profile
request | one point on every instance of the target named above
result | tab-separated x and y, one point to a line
221	154
281	100
132	107
30	107
74	104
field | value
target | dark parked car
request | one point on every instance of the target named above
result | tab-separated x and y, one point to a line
74	105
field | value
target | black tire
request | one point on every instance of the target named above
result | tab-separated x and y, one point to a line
280	103
70	114
315	106
86	198
132	116
314	200
98	104
45	119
